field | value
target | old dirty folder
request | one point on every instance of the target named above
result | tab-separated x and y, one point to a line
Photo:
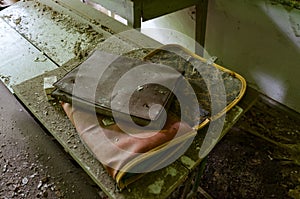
125	150
108	84
119	86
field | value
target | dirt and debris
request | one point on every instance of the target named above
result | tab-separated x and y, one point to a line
253	160
32	164
258	158
107	29
19	173
288	3
61	33
40	59
5	79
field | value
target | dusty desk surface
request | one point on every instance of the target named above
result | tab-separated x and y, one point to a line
157	184
73	36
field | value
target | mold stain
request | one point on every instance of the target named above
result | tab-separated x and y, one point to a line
156	187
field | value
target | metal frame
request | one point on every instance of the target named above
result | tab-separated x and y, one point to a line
136	11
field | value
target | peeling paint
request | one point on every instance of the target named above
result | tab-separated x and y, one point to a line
187	161
171	171
156	187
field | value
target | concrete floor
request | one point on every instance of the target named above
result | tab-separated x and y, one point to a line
32	163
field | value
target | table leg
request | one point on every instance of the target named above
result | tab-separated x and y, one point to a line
201	17
187	186
199	173
137	14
